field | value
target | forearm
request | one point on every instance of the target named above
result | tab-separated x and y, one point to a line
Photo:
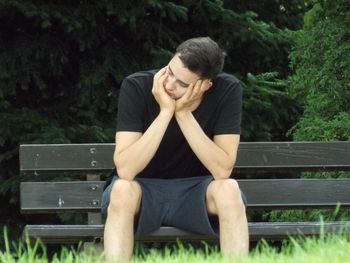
215	159
133	159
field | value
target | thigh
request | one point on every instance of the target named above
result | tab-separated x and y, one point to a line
150	209
188	209
153	207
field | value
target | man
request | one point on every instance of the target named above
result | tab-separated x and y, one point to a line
177	136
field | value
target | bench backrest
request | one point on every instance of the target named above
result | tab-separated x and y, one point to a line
255	156
252	158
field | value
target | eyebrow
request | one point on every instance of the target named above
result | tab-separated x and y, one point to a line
183	83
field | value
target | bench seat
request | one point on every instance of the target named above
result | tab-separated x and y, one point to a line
266	230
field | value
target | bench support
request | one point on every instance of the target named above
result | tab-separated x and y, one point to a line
94	218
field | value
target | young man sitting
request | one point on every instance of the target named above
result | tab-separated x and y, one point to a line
178	130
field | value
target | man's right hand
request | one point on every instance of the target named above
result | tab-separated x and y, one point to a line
166	103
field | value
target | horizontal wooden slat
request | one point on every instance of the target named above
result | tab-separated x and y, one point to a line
61	196
259	156
37	158
267	230
288	156
260	193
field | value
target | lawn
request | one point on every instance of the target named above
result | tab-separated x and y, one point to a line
332	248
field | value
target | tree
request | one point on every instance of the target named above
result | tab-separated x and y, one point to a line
61	64
321	63
320	60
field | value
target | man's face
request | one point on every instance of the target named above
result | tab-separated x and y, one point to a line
179	78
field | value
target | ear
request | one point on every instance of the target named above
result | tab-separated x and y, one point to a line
208	85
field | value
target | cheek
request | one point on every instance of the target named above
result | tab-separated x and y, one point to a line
180	91
166	80
170	83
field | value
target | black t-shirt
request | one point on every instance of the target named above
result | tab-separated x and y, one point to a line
218	113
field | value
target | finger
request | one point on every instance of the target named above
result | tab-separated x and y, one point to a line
160	72
197	88
189	92
156	78
162	78
160	84
206	85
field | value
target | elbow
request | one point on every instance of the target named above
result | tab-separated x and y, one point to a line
224	172
123	171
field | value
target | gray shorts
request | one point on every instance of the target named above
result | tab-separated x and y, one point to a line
177	202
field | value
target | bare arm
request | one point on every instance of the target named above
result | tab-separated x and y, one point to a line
217	155
134	150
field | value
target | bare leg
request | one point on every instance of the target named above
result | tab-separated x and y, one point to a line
119	228
224	199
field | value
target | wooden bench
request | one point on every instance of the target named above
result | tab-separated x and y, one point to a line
255	160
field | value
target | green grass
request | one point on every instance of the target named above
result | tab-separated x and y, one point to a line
330	248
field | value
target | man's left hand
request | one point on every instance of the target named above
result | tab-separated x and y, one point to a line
193	96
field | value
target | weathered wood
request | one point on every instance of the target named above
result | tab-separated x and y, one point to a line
94	218
259	156
71	157
260	193
267	230
85	196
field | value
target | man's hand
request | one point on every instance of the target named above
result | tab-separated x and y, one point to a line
166	103
193	96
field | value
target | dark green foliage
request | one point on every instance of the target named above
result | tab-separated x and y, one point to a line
321	82
321	64
267	109
61	64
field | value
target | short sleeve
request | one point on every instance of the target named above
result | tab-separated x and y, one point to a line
230	111
130	107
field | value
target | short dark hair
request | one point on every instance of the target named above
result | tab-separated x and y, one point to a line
202	55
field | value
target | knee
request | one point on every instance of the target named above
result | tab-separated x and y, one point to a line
227	195
125	196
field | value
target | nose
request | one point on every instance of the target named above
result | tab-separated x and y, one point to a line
170	83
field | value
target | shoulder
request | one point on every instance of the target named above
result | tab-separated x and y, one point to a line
225	79
141	76
226	84
138	83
